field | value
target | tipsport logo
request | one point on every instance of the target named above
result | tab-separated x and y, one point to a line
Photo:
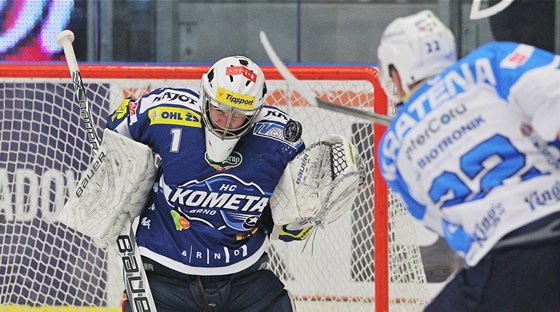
237	100
31	26
220	200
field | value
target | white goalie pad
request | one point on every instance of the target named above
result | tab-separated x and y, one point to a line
319	185
112	191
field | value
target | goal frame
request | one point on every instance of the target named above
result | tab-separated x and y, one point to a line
174	72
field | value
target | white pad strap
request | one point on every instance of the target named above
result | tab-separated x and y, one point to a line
317	186
112	191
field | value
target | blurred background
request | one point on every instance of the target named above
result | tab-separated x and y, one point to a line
302	31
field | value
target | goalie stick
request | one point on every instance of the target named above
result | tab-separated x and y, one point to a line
135	280
308	94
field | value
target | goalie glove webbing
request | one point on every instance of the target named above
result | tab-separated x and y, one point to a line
319	185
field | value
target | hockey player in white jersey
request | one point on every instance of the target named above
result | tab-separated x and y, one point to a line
233	174
472	153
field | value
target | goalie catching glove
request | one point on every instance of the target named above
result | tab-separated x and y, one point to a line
112	191
318	185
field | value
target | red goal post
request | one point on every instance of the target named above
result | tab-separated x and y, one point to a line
44	145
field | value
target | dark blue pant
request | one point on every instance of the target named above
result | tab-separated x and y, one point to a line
517	279
252	290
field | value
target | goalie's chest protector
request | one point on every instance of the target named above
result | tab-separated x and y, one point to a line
205	217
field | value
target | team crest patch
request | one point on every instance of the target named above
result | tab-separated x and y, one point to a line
233	160
221	200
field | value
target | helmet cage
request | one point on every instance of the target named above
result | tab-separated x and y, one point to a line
226	132
234	87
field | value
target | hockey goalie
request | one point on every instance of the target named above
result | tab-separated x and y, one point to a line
234	173
315	188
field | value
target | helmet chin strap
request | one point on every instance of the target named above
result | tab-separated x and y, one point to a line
218	149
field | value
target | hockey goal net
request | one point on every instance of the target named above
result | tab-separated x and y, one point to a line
367	260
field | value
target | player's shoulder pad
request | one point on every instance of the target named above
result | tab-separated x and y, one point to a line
159	102
276	124
170	97
513	55
491	53
122	111
273	114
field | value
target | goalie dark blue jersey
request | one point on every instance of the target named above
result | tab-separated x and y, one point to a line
206	218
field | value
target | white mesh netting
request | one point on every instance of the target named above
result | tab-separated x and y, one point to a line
43	151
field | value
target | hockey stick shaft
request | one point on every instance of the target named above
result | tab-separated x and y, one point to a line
309	95
135	280
65	39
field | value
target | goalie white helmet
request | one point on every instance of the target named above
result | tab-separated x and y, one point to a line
419	46
232	95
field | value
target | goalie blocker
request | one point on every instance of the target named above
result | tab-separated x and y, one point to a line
113	190
319	185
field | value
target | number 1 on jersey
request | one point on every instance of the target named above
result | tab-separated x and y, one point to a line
175	139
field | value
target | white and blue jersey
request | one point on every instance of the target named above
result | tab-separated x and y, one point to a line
473	152
205	218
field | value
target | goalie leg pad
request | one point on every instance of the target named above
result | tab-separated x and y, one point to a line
112	191
318	185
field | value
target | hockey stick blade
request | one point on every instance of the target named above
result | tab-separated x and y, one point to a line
309	95
135	280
